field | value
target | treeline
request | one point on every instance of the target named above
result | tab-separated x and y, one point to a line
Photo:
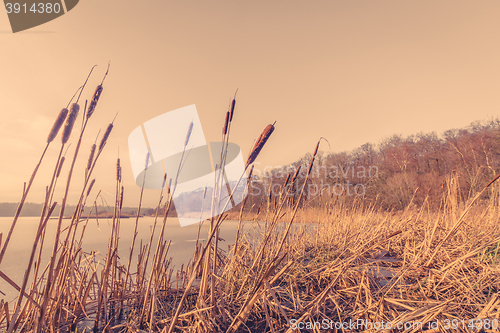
398	171
35	209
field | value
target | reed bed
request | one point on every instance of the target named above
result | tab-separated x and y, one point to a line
356	263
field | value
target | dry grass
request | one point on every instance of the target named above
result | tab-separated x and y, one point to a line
356	263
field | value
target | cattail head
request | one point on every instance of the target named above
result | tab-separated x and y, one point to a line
261	141
118	170
91	157
233	103
121	197
286	180
310	165
316	150
250	173
57	125
147	161
188	135
70	121
296	174
164	180
90	186
106	136
314	156
270	191
95	99
60	167
226	123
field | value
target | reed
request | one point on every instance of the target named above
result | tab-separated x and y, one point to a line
226	124
105	136
57	125
188	135
91	157
70	122
356	262
261	141
96	96
233	104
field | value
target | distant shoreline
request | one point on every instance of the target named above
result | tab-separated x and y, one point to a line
8	209
97	217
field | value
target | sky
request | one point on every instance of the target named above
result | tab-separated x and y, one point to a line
350	71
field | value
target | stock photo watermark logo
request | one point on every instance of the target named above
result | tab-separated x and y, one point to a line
324	180
27	14
174	145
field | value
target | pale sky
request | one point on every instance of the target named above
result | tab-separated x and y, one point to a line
350	71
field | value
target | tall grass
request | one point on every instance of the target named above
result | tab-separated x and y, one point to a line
356	263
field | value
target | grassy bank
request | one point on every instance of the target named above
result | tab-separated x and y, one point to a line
360	264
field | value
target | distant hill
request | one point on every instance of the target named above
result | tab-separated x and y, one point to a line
34	209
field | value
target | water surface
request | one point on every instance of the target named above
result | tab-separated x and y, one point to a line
96	238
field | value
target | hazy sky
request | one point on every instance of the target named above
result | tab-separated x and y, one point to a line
350	71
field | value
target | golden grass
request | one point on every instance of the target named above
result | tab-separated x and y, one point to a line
356	263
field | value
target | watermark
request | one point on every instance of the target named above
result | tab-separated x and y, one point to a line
27	14
358	324
179	158
363	324
322	171
310	190
325	181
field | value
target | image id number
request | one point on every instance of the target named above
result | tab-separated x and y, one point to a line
36	8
